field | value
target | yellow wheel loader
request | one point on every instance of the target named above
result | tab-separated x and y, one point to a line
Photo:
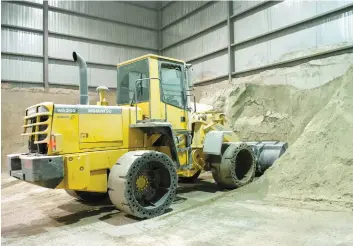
135	152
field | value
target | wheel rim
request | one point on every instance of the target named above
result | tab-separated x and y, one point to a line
151	184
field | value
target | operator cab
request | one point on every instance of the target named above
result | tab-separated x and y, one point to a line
158	86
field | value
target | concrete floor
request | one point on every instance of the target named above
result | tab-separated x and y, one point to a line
201	215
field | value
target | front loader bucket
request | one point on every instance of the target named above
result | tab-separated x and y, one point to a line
267	152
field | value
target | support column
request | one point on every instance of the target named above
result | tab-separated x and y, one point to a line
45	45
159	21
230	40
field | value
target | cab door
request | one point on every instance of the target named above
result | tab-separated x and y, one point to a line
173	94
128	85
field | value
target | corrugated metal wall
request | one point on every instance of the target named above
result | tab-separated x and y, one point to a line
104	33
299	41
192	46
19	41
218	37
263	33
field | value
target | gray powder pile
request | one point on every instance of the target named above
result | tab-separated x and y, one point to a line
319	165
278	112
318	124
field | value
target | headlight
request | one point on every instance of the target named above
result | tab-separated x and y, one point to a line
31	111
42	109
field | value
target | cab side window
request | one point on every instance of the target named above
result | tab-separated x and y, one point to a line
172	85
127	83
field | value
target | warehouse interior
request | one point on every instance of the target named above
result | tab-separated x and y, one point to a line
279	70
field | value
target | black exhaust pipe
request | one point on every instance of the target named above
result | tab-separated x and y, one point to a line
83	78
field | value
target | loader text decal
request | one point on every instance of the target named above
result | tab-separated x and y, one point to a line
99	111
66	110
87	110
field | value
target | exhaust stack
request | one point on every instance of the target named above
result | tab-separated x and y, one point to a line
83	78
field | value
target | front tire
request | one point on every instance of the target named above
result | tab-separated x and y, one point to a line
237	168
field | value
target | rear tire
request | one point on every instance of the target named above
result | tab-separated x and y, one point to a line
143	183
86	196
237	168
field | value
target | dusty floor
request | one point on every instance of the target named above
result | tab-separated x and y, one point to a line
32	215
